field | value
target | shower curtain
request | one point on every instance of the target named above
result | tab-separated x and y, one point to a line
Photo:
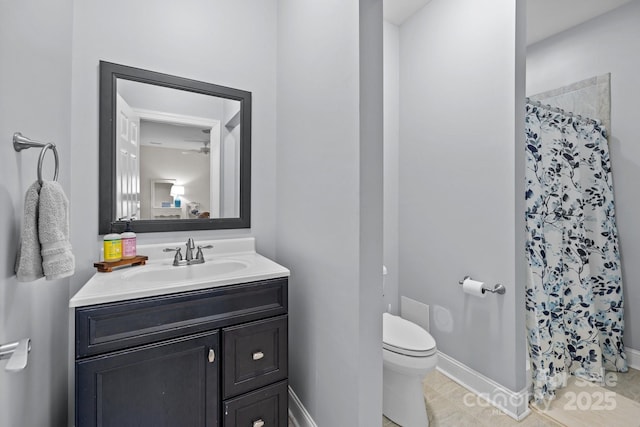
574	304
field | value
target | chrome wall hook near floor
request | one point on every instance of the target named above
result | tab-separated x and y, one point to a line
17	353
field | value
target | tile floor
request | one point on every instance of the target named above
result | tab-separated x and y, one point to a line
584	404
446	404
446	408
626	384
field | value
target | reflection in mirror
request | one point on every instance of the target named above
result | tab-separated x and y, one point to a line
180	138
165	134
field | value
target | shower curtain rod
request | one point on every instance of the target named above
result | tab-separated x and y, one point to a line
560	110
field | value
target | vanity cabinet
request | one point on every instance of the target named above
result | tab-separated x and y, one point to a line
211	357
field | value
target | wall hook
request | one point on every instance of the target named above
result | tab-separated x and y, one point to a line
17	353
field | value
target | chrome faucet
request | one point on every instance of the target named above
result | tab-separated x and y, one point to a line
189	253
188	259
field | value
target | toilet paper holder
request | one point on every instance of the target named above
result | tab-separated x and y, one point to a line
497	289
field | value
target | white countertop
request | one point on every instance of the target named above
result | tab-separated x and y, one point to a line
121	284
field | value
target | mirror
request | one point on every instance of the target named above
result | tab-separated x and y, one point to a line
175	153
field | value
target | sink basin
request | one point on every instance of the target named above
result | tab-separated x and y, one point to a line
169	273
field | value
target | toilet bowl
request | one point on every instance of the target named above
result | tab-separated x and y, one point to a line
409	353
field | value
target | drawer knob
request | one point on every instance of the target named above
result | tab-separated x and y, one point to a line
257	356
258	423
212	355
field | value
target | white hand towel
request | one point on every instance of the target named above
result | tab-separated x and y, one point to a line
29	261
53	231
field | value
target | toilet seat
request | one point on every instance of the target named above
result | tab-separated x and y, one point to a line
404	337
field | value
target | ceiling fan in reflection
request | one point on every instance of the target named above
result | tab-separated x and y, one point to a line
205	149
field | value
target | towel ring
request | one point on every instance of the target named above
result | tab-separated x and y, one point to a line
21	142
53	148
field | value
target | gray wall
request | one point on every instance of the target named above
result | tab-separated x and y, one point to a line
329	217
461	198
35	99
607	44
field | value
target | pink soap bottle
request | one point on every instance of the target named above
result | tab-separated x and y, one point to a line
128	242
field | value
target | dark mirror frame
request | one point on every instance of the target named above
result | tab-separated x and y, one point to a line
109	73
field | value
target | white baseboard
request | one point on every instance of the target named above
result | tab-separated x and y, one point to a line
514	404
633	358
298	413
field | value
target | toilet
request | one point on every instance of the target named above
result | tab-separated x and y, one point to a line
409	353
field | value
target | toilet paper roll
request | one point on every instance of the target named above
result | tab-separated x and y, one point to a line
473	287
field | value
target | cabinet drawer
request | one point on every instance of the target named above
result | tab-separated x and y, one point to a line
114	326
255	354
267	407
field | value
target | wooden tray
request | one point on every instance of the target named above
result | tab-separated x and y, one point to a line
107	267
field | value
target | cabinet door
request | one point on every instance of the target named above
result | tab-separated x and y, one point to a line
172	383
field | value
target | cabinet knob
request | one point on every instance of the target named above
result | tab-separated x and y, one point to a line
258	355
258	423
212	355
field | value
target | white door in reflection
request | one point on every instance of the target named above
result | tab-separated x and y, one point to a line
128	162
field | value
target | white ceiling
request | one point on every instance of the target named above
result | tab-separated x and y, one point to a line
397	11
548	17
544	17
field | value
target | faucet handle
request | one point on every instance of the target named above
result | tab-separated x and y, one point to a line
199	255
178	257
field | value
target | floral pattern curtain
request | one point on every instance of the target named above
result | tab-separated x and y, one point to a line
574	287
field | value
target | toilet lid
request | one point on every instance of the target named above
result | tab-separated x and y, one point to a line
404	337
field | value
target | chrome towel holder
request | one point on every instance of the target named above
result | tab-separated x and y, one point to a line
21	142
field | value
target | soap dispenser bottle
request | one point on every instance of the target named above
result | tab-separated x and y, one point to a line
112	244
128	242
